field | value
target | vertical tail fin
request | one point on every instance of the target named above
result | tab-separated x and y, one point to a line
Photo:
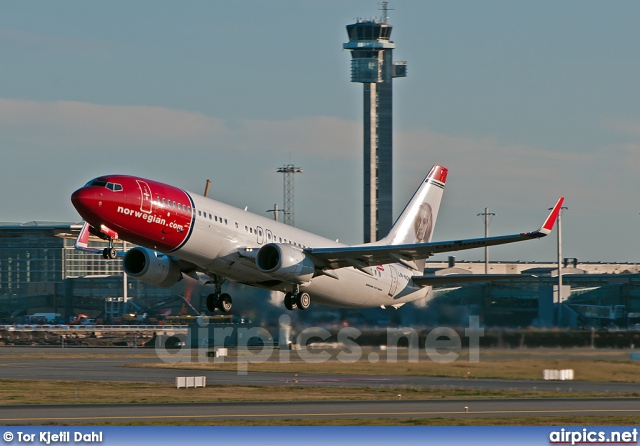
417	220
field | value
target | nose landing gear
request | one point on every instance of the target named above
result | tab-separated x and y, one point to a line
109	253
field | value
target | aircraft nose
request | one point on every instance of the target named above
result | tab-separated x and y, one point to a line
85	198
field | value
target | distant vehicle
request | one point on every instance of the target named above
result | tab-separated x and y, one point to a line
179	232
44	318
77	320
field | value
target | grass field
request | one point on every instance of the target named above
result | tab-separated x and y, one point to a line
521	364
489	421
92	392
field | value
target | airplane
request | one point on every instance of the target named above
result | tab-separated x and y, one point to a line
180	233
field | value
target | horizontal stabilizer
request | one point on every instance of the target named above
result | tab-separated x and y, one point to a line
465	278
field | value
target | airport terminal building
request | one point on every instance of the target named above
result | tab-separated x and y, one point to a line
40	271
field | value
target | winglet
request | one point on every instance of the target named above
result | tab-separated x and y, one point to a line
551	219
82	241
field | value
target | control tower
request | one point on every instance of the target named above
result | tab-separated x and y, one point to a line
372	66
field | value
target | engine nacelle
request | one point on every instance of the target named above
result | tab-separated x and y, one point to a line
285	262
151	267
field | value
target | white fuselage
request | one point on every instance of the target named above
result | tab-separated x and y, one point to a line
221	232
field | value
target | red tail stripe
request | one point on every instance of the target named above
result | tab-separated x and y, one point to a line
438	173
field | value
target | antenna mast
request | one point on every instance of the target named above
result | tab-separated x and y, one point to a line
288	170
385	11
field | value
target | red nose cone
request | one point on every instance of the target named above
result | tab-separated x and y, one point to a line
79	199
85	200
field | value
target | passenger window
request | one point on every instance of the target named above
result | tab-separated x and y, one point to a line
164	201
199	213
225	221
216	218
236	225
189	209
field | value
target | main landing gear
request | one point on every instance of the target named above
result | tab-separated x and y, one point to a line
222	302
219	300
296	299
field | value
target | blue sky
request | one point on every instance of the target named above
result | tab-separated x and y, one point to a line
522	101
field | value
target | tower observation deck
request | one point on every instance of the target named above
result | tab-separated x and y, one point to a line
372	65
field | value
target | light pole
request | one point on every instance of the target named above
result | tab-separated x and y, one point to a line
486	215
275	211
288	170
559	222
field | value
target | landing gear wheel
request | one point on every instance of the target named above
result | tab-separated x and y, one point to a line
109	253
303	301
212	302
289	302
225	303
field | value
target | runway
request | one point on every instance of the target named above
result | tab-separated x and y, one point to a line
105	365
114	365
85	414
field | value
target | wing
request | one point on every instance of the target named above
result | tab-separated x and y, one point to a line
369	255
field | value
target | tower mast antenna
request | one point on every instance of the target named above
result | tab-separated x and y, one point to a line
385	11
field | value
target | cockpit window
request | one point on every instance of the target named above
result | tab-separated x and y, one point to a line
99	183
96	183
114	187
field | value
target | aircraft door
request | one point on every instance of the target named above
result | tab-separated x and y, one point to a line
394	280
145	196
260	235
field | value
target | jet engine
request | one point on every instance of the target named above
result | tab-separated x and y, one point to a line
151	267
285	262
